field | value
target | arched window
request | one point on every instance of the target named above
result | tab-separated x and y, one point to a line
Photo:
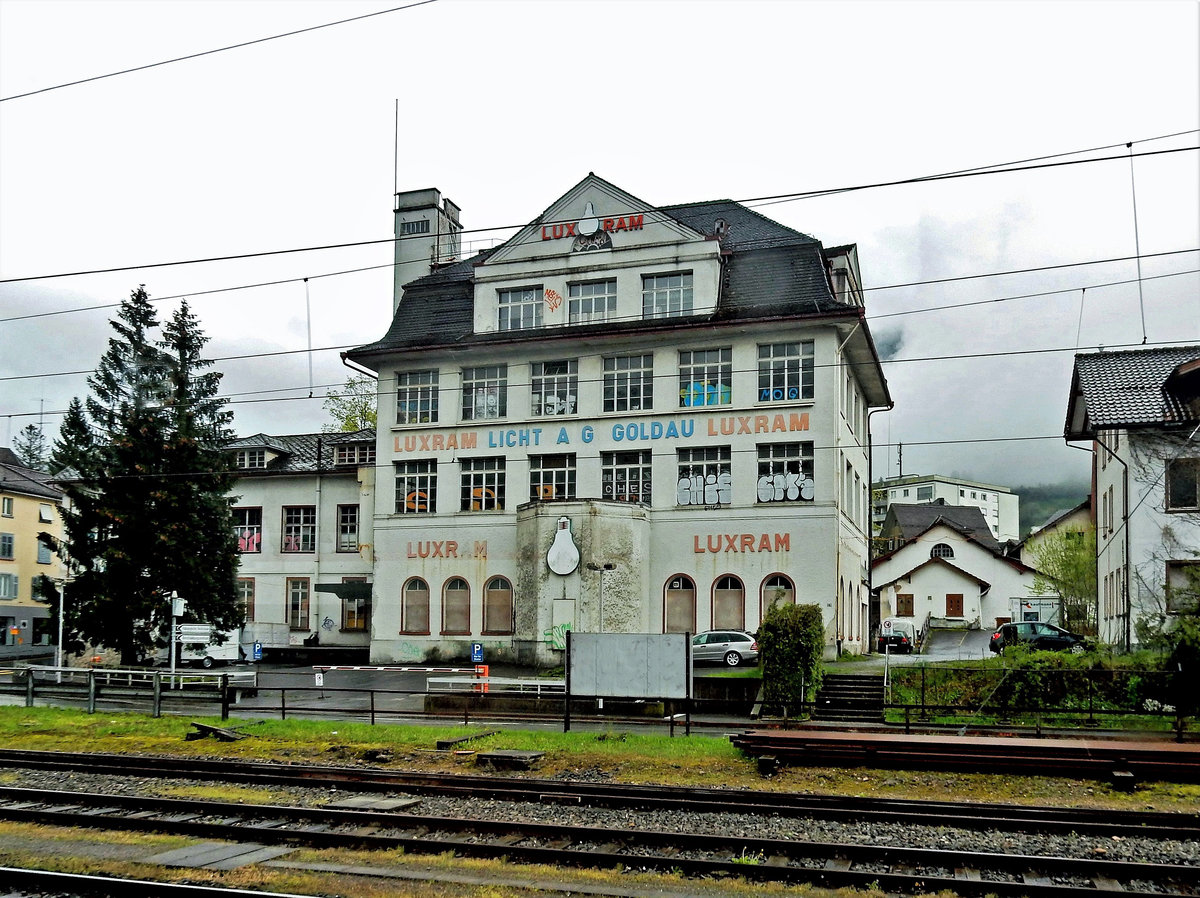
941	550
498	607
729	605
414	607
776	590
456	607
679	606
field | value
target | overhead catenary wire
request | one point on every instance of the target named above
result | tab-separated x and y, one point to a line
798	195
215	50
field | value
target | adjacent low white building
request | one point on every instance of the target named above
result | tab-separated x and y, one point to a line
626	418
302	509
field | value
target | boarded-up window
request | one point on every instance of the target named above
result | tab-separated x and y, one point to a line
729	605
679	606
954	604
904	605
414	614
777	590
498	607
456	607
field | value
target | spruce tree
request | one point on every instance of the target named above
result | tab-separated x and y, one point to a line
30	446
146	483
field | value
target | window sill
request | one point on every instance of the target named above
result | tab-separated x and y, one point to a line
496	633
414	633
455	633
353	630
297	552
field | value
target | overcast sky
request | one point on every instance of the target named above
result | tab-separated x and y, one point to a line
504	106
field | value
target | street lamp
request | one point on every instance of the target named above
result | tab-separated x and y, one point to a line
601	568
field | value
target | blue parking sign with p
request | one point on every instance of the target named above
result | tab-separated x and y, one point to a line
258	651
476	652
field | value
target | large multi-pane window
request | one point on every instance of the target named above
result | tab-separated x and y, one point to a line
628	383
482	484
666	295
785	472
6	546
705	476
555	386
299	528
593	302
706	376
245	597
416	397
9	583
498	607
552	476
347	528
456	607
356	610
785	371
484	392
625	476
520	309
297	596
414	607
416	487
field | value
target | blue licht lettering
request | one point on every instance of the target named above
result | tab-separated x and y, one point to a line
562	436
588	433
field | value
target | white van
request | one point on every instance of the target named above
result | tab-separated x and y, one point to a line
198	646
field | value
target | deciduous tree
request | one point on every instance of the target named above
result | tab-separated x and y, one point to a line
353	407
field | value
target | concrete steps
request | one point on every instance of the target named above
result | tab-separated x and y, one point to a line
850	698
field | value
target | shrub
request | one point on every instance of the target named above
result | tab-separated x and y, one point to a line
792	642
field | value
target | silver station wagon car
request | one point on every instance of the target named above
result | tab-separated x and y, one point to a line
730	647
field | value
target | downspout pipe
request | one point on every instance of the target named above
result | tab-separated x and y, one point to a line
871	525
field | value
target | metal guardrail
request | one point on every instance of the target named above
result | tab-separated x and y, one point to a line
498	685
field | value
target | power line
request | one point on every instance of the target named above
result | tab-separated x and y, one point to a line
261	40
389	240
663	376
946	280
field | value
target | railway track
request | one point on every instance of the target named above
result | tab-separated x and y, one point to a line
19	881
895	869
973	815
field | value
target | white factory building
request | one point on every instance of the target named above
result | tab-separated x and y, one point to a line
625	418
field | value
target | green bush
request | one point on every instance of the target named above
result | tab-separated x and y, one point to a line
792	642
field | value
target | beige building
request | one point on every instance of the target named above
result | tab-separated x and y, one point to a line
626	418
28	506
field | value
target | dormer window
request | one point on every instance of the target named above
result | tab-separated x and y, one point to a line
520	309
667	295
355	454
251	458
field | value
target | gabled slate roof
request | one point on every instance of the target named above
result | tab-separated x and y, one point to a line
1126	389
298	452
909	521
774	271
17	478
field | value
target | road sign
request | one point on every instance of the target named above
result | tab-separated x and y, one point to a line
476	652
258	651
194	633
887	624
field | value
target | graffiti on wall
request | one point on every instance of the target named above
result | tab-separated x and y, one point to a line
556	637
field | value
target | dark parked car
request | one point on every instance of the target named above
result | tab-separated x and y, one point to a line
730	647
1037	635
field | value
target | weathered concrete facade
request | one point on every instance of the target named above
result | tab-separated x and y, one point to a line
682	390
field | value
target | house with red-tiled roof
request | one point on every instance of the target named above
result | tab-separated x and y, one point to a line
1140	410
